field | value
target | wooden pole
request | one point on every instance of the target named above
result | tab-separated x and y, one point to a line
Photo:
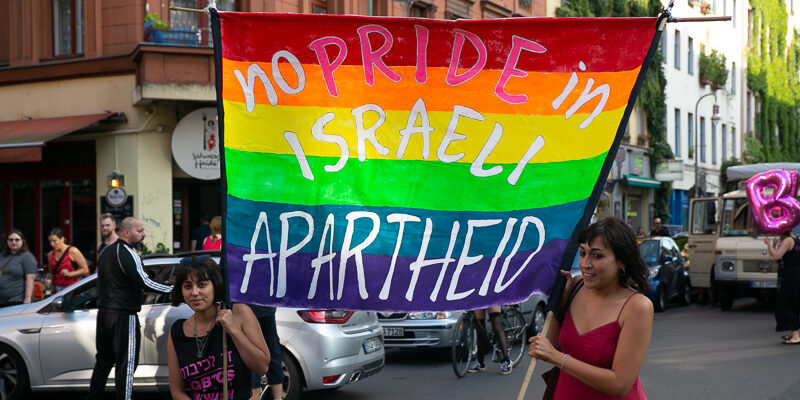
184	9
700	19
532	365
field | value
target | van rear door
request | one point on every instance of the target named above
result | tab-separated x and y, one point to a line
703	233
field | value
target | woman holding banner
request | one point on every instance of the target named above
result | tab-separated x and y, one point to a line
194	348
787	251
603	331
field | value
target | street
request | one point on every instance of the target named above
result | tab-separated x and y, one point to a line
696	352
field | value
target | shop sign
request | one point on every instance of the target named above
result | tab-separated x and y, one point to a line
669	170
116	197
195	144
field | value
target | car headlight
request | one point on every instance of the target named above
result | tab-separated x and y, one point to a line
428	315
654	270
728	266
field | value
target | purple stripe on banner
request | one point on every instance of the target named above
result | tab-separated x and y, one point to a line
365	293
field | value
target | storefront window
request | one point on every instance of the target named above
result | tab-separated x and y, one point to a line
22	203
84	218
633	211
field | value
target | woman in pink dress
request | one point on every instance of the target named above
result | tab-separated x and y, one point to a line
214	241
605	331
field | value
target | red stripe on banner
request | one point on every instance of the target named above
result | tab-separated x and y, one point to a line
257	36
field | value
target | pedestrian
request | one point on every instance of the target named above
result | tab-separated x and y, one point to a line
199	233
484	347
601	335
66	264
787	307
269	329
108	232
640	232
658	229
17	271
214	240
194	347
120	281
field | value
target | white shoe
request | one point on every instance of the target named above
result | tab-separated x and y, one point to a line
476	367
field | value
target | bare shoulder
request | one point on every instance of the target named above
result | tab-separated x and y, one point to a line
639	306
242	310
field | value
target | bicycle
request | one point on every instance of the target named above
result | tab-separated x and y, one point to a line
464	349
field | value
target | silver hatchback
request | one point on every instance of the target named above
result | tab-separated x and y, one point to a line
50	344
435	329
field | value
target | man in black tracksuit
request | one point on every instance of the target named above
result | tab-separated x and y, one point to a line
120	281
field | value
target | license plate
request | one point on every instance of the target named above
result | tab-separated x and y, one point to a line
393	332
372	344
764	284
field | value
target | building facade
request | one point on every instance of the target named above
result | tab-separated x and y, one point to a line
704	124
109	106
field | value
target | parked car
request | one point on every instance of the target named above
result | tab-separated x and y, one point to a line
669	278
435	329
50	344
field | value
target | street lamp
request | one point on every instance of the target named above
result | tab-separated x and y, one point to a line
714	119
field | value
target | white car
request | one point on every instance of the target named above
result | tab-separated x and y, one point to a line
50	344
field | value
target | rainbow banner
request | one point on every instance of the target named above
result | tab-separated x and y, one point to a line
398	164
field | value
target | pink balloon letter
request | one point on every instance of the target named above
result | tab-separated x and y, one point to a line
779	211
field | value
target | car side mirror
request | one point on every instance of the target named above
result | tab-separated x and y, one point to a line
667	258
58	304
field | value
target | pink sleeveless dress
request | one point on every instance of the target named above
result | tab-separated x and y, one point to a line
596	347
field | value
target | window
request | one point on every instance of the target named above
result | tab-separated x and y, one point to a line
733	78
690	126
701	143
319	6
663	48
420	10
690	56
733	14
724	134
161	273
713	143
733	143
67	27
677	132
182	19
677	49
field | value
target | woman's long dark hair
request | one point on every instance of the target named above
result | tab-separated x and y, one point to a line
205	269
23	249
619	237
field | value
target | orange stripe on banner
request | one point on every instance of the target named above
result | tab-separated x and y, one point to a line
478	93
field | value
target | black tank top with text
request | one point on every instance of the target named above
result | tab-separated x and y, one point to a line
202	376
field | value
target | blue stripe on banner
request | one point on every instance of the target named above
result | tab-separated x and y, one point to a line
242	219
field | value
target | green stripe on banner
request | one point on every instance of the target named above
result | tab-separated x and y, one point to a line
412	184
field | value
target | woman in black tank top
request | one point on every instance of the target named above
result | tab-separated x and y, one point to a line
787	305
194	348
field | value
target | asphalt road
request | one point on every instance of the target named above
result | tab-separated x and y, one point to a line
696	352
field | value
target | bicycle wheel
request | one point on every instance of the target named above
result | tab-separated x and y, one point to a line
514	327
462	350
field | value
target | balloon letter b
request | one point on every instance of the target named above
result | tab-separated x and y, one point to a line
779	211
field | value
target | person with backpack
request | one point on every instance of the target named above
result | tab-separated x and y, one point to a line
65	264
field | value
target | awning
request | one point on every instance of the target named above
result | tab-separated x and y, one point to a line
22	140
642	181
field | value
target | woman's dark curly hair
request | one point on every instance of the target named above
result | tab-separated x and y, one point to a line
204	269
619	237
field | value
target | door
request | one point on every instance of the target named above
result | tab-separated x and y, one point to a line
703	233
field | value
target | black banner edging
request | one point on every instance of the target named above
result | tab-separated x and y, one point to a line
216	35
572	246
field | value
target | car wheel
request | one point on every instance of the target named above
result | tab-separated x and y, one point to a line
661	299
13	375
686	296
292	378
538	319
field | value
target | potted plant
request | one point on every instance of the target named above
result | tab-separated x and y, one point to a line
641	139
626	137
705	8
712	70
691	152
158	31
693	3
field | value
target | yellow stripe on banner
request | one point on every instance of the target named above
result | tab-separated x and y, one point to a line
263	131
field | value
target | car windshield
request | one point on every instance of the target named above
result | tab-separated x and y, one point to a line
737	220
649	250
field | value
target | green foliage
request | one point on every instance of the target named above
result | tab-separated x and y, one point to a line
723	176
652	98
160	249
772	74
712	69
158	24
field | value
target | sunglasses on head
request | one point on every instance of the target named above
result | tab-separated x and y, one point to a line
188	260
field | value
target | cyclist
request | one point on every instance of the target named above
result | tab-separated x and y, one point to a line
483	342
